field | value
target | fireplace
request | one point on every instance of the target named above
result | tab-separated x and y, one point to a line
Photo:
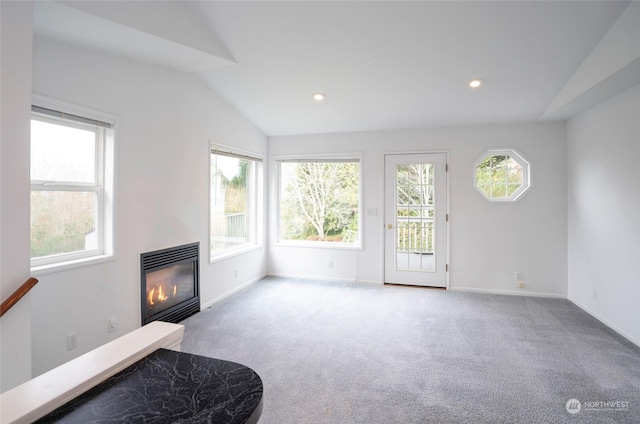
170	283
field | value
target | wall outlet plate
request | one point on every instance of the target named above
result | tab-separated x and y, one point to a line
113	325
72	341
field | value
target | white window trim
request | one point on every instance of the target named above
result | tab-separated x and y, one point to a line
260	205
526	174
353	156
106	172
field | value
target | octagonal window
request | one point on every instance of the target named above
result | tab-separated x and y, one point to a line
502	175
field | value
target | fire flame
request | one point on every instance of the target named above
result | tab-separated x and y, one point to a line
160	295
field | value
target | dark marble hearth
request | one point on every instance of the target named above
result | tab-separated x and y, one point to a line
169	387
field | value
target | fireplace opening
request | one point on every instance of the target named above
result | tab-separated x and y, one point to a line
170	283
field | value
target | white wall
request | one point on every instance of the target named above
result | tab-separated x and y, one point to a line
15	57
604	212
166	119
489	242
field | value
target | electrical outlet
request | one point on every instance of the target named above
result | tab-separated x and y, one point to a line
236	272
72	341
330	264
113	325
518	276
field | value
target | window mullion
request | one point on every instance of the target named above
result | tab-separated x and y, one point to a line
69	154
36	186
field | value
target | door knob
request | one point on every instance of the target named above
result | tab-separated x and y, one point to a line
389	226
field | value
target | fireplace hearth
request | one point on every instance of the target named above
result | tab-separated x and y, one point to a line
170	289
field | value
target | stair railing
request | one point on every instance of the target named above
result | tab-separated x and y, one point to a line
17	295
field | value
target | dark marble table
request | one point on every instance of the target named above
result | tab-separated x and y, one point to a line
169	387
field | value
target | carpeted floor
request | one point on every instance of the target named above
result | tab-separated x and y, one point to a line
343	353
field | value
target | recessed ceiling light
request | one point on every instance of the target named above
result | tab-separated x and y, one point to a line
318	97
475	83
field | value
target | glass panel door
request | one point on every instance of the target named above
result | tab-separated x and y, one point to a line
415	217
416	224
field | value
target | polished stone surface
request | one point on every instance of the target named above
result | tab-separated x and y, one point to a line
169	387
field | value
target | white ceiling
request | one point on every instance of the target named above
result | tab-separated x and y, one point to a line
382	64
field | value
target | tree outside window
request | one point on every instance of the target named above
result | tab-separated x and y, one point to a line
502	175
319	201
71	180
236	192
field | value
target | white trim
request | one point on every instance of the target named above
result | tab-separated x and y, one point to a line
71	264
446	152
234	253
368	282
104	186
327	279
231	292
508	292
223	148
63	106
302	244
257	222
605	322
304	157
527	182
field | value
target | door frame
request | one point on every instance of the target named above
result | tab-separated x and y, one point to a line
446	152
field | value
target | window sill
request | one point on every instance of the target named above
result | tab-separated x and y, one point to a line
318	245
233	253
67	265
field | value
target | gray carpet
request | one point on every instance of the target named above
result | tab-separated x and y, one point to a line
332	352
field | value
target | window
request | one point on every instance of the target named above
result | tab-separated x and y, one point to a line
71	187
320	201
502	175
236	202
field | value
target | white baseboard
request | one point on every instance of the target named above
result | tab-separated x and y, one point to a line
462	289
605	322
229	293
310	277
509	292
372	282
330	279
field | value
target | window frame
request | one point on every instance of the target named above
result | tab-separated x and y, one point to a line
256	203
341	157
65	114
526	174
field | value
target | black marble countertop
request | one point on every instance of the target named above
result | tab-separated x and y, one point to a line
169	387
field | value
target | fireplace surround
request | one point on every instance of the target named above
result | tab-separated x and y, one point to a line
170	288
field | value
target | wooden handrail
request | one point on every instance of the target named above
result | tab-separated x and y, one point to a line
17	295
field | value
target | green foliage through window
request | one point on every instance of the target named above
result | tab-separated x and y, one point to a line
234	201
319	201
62	222
68	211
502	176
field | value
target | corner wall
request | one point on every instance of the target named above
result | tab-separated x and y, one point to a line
604	212
15	114
166	119
489	241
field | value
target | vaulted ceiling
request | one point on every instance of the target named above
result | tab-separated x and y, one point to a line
381	64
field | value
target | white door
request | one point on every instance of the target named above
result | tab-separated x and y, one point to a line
416	219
